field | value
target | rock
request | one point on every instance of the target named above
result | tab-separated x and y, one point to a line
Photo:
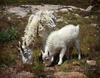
76	63
98	26
22	12
25	6
60	19
89	8
64	10
69	75
24	74
77	15
91	62
9	18
94	25
70	8
86	17
66	22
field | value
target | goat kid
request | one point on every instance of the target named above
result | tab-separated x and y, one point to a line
60	40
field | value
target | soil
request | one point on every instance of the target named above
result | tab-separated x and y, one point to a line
10	64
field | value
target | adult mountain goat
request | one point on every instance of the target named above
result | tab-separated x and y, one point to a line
39	24
60	40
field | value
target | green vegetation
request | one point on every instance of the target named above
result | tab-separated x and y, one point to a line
7	58
8	35
37	66
89	35
89	39
64	2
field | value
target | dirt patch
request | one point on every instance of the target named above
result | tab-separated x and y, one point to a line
69	75
73	69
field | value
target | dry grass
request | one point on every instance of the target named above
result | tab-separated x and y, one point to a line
89	39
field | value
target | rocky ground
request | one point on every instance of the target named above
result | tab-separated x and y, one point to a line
17	16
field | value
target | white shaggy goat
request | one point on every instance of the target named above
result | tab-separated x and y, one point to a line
38	25
60	40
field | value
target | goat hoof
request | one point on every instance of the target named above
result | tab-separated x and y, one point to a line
59	63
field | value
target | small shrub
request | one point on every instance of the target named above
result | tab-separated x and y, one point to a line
8	35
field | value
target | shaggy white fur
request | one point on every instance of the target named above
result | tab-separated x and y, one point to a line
34	25
60	40
37	25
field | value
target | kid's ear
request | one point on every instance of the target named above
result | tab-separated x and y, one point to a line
19	44
42	51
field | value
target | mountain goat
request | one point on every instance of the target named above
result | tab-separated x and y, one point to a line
60	40
39	24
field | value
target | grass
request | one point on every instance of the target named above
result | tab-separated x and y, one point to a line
88	35
7	39
8	55
7	59
9	34
37	65
63	2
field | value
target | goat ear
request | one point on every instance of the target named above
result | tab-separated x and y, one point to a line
19	44
42	51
